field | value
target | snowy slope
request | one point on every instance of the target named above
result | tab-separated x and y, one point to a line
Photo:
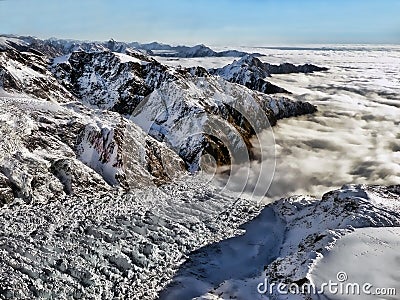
108	246
94	140
110	80
250	72
182	101
366	255
9	42
56	47
298	240
172	99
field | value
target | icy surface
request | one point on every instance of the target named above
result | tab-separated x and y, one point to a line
51	144
128	58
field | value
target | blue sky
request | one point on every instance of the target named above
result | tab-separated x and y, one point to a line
213	22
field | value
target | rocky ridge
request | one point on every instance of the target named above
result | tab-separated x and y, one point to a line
251	72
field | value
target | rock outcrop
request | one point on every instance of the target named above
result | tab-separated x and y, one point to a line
287	68
110	80
6	192
187	111
58	47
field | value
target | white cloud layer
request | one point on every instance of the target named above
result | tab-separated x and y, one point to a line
355	136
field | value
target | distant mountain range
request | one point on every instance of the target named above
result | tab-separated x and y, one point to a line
64	46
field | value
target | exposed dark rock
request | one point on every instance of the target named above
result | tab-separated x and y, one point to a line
250	72
107	81
57	47
195	51
288	68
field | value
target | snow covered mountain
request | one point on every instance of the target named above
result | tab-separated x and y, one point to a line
120	81
59	47
131	246
190	52
110	80
154	48
251	72
27	72
242	109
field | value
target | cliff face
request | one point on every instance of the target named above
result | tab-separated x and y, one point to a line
187	111
250	72
53	146
110	80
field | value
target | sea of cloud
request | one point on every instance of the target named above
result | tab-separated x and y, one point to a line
355	135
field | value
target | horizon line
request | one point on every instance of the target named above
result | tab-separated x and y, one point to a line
272	45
